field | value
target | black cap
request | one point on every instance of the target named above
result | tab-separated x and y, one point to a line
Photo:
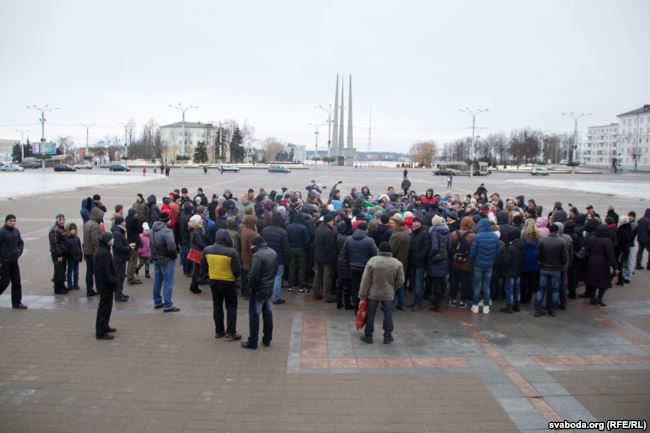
164	217
118	220
329	216
59	216
10	217
257	241
106	237
384	247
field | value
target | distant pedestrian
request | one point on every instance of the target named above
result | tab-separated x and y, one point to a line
382	275
205	169
144	170
450	180
264	265
163	256
11	248
106	282
58	252
167	170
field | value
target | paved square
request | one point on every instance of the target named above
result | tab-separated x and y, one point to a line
449	372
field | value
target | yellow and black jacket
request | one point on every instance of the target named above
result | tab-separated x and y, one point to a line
221	260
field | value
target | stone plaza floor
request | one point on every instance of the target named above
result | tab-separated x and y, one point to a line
449	372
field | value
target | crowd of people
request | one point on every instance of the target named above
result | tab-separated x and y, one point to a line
395	249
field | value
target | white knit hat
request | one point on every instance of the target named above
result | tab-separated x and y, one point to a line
195	218
145	227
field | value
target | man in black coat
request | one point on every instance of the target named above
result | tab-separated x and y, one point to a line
643	239
277	239
59	252
106	283
325	258
121	251
299	241
11	248
133	230
418	259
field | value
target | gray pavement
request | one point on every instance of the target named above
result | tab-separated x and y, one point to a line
449	372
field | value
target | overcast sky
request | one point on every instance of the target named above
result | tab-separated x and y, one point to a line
415	63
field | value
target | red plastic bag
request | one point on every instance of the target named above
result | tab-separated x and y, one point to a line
195	256
362	314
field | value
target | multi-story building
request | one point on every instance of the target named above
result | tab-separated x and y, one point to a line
171	138
634	138
601	149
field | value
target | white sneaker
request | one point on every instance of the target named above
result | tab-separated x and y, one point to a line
486	310
475	309
480	303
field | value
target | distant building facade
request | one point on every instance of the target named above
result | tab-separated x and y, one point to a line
171	139
601	148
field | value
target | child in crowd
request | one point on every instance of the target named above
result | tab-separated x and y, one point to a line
144	252
75	256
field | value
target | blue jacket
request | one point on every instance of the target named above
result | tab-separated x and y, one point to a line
530	262
358	249
485	246
440	240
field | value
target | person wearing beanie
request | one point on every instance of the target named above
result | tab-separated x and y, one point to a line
325	259
144	252
163	256
106	282
382	275
141	210
400	242
418	256
553	258
11	248
121	252
195	253
264	264
59	252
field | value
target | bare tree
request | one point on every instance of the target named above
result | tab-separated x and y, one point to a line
273	147
423	152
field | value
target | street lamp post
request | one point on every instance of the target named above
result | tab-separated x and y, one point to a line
474	114
572	154
22	142
316	126
329	110
44	109
183	109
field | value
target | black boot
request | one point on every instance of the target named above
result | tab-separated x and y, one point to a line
516	308
507	309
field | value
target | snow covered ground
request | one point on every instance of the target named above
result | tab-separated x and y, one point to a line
637	189
29	183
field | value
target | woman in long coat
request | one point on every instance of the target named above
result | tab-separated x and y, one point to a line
601	258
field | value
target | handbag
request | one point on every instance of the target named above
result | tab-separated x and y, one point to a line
195	256
362	314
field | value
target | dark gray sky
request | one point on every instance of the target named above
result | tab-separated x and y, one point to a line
414	62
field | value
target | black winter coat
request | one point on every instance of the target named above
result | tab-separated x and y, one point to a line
381	234
264	266
11	244
278	241
58	244
197	240
342	268
74	248
513	259
419	247
104	269
298	232
325	245
358	249
133	230
601	258
643	228
183	219
154	210
121	249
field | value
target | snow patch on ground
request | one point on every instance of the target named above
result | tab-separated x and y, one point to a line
24	184
638	190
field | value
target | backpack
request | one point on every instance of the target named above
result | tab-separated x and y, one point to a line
461	253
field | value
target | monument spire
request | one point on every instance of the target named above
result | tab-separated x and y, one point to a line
341	122
350	140
335	125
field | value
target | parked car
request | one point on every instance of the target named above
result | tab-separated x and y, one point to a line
539	171
119	167
11	167
64	167
278	169
106	165
230	168
83	165
444	171
30	164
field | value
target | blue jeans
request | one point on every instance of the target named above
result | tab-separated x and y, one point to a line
513	293
277	283
482	279
163	277
73	273
417	282
546	279
260	303
387	307
89	274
